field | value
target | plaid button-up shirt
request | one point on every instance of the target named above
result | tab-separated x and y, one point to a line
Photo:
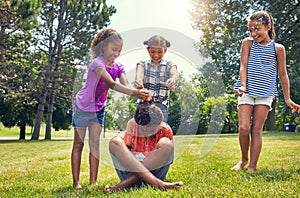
155	79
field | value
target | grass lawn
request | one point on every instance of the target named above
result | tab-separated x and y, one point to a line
42	169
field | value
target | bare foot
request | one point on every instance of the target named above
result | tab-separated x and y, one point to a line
164	186
251	170
167	185
112	189
94	184
239	166
77	186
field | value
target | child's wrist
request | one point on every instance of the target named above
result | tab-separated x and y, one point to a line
134	92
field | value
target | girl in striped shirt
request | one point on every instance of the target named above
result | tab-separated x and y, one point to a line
257	87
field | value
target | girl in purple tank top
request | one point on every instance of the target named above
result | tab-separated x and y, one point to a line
90	100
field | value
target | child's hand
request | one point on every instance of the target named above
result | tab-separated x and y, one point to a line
240	91
295	107
139	84
171	84
141	93
149	97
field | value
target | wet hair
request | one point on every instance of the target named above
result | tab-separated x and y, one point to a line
102	39
266	18
157	40
148	114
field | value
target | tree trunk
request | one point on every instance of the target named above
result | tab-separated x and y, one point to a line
270	122
50	110
41	106
2	45
42	101
58	45
22	131
49	121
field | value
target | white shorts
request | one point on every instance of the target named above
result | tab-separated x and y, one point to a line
254	100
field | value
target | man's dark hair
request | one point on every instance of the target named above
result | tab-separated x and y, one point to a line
148	114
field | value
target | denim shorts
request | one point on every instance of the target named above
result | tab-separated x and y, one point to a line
82	119
159	173
253	100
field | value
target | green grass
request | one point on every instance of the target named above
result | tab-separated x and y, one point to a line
14	132
42	169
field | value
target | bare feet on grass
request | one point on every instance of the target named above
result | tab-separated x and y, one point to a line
92	184
112	189
168	185
239	166
77	186
251	170
163	186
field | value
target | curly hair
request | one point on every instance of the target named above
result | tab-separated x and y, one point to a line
103	37
148	114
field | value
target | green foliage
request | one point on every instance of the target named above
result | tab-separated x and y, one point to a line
174	116
19	14
231	115
223	26
121	111
61	119
42	169
183	112
41	47
287	20
18	83
64	27
18	74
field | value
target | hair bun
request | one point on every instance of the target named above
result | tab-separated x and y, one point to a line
157	41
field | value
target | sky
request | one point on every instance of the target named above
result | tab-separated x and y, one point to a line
138	20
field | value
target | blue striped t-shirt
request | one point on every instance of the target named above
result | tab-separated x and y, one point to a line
262	71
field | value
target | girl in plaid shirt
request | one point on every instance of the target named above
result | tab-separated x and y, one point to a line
156	74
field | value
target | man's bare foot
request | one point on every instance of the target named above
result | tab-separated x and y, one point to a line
77	186
239	166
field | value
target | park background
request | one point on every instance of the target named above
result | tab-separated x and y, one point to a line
43	57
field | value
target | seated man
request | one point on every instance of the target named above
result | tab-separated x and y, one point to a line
145	153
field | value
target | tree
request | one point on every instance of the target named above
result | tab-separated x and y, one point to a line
67	25
17	17
223	27
185	105
287	27
18	72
